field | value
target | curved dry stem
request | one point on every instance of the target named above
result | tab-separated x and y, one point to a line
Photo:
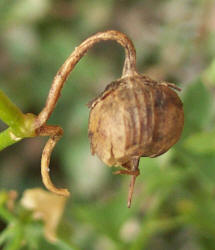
73	59
56	133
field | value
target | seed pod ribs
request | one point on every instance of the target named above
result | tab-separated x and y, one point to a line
135	116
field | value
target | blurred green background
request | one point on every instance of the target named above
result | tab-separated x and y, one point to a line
174	201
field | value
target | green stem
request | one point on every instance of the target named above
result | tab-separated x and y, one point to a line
10	113
7	138
20	125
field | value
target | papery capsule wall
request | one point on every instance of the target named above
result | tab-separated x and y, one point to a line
134	116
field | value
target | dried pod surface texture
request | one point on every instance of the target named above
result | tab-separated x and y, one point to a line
135	116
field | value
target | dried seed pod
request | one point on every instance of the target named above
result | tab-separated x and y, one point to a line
135	116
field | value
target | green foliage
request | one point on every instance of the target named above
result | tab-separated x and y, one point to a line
23	231
173	205
198	106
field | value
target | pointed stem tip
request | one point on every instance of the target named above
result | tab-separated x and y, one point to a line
131	190
134	166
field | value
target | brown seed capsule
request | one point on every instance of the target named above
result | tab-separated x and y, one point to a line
135	116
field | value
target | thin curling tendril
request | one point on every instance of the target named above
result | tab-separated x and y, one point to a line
55	133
